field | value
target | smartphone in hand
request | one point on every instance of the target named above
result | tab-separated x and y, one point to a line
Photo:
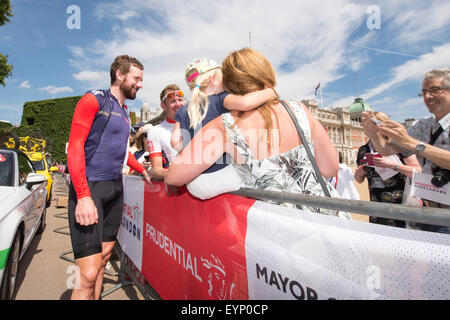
376	121
368	158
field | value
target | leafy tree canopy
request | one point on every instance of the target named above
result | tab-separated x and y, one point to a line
5	69
5	11
5	14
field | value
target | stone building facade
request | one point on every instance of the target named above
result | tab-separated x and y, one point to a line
343	126
146	114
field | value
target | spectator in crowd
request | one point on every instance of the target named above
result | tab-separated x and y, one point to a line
140	147
208	101
265	138
428	138
158	136
132	137
390	189
131	140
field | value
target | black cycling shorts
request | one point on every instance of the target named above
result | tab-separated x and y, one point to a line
108	198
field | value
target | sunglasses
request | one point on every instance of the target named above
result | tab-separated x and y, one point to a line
173	94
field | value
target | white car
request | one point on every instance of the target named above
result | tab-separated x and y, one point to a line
22	214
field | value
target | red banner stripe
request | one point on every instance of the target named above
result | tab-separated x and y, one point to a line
195	249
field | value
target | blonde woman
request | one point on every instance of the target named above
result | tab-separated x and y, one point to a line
266	138
209	101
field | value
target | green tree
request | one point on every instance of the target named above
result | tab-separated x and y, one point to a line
133	118
5	69
5	14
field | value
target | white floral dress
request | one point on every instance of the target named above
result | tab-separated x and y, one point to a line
290	171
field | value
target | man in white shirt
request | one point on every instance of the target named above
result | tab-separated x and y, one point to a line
158	137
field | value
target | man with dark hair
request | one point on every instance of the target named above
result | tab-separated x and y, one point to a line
158	136
97	153
123	63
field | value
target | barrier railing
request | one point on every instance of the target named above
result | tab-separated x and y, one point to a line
235	247
434	216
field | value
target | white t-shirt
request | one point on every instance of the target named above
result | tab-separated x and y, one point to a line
343	183
158	141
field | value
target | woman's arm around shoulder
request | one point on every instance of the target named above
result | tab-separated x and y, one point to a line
203	151
248	101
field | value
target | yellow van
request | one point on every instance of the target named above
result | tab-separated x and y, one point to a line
41	166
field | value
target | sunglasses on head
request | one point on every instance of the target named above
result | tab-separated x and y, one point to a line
173	94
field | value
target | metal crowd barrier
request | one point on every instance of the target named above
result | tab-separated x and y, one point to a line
123	274
434	216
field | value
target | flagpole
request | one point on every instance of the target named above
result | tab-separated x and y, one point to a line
321	98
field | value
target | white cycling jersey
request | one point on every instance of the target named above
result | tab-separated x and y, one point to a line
158	141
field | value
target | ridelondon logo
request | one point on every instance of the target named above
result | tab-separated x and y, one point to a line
131	220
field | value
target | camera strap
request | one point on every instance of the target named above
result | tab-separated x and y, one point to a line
433	137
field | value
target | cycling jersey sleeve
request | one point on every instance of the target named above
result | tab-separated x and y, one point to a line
154	143
134	164
83	117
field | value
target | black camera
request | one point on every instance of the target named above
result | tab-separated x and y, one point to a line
440	176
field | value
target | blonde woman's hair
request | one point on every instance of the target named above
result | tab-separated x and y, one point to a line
245	71
199	103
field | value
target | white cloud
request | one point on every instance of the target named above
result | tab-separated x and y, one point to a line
25	84
412	70
414	107
428	21
309	38
411	102
383	101
307	42
55	90
93	79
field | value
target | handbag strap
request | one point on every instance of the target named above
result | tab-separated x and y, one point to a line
308	150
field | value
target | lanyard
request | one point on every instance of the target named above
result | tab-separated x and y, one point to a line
433	137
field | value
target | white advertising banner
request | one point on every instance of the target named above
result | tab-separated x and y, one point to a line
422	187
291	254
130	234
232	247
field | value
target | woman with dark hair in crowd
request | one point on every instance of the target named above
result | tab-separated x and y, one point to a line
390	189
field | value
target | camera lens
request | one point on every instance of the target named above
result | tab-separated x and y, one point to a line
439	180
441	176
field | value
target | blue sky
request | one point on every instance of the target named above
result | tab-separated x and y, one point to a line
389	44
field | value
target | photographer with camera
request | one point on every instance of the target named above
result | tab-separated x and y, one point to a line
428	138
386	176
